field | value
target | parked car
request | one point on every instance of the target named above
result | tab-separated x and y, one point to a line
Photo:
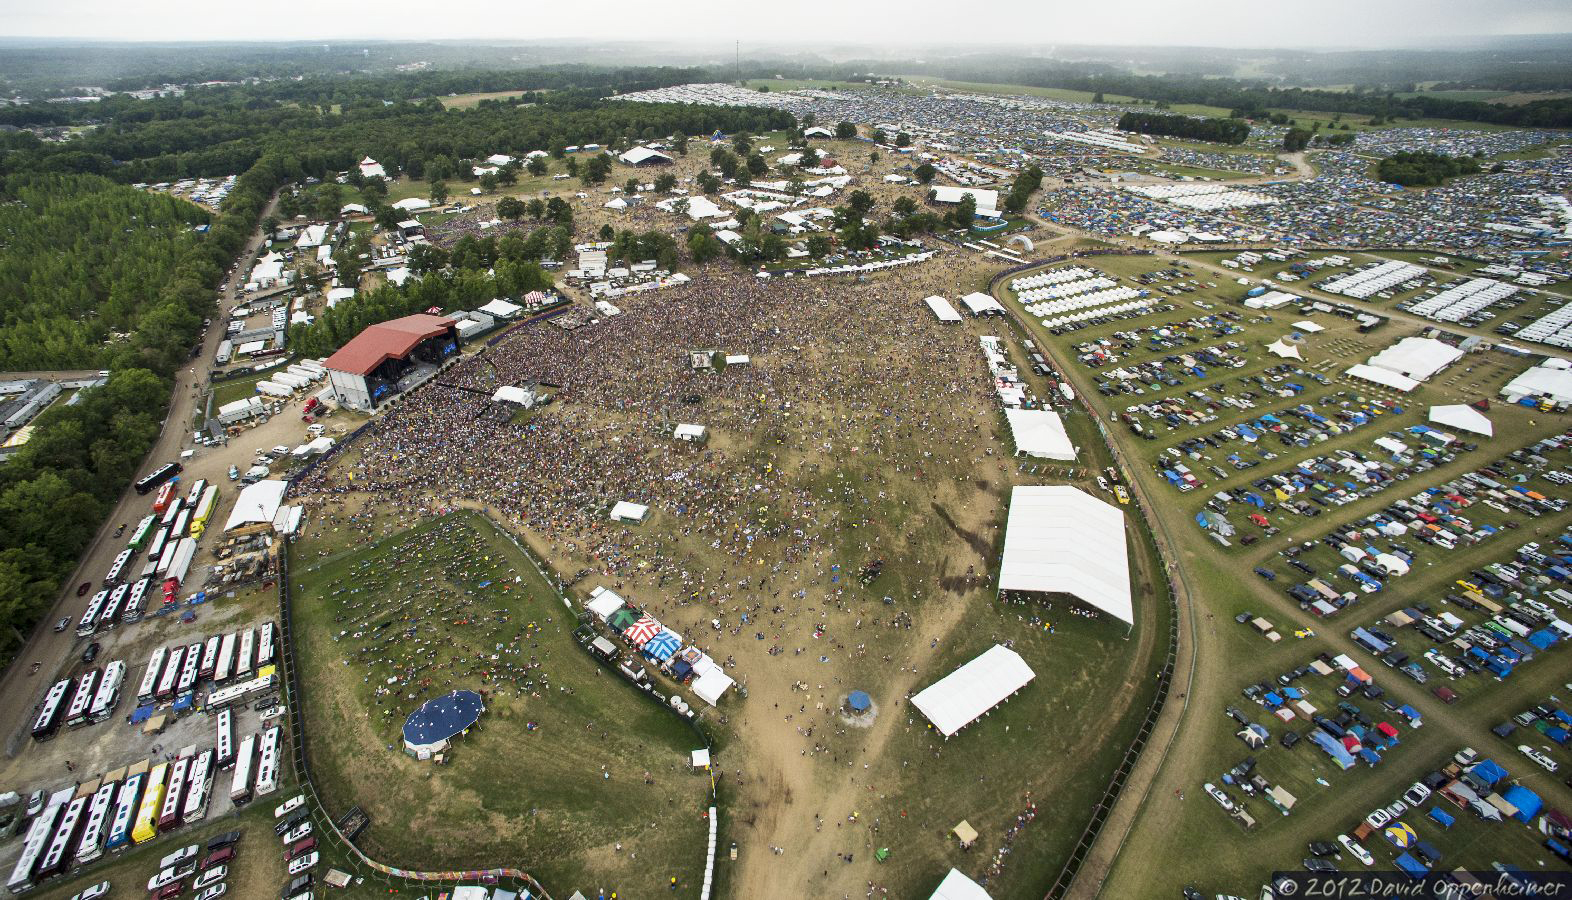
63	624
214	892
1545	762
91	653
1357	849
1322	848
94	892
169	876
209	876
1319	865
224	840
184	854
1222	798
218	857
289	806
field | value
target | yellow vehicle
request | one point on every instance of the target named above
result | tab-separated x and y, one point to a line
1467	585
1122	494
1303	633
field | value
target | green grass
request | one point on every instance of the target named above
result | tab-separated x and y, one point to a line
367	616
238	388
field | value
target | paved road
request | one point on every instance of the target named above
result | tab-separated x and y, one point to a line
20	692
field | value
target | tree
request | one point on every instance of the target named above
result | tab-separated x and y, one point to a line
925	173
707	182
879	136
905	205
665	181
757	165
817	245
742	143
270	225
387	217
1296	139
964	212
902	139
536	208
702	244
861	202
873	157
596	169
536	165
845	131
607	232
510	208
488	182
508	174
1098	97
631	186
439	192
680	144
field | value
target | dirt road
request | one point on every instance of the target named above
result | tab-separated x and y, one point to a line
20	691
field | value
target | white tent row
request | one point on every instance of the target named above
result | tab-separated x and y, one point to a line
1054	276
866	267
1039	433
1084	315
1071	304
1060	540
1463	300
1368	282
1066	289
963	696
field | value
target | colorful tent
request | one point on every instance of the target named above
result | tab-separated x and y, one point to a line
1400	834
622	619
640	632
663	645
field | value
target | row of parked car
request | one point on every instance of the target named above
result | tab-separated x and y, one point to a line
210	871
1156	338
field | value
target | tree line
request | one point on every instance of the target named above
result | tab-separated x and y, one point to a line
1191	128
1424	169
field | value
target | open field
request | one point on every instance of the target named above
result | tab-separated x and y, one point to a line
587	763
1215	853
465	101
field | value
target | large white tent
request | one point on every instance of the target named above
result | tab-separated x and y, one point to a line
1062	540
942	309
603	602
980	304
1383	377
1416	357
1463	418
1039	433
1551	378
956	886
257	503
624	511
959	698
1284	349
711	685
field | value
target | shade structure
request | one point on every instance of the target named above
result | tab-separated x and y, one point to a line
642	631
622	619
959	698
626	511
663	645
1039	433
710	685
1284	349
1061	540
1463	418
256	503
603	603
429	728
942	309
957	886
859	701
1383	377
979	303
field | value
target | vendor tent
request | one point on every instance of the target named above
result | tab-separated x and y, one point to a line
958	699
1061	540
256	503
1039	433
629	512
642	631
1462	418
603	603
622	619
965	833
710	685
956	886
663	645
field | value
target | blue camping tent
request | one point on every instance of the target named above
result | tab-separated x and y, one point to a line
1413	868
859	701
1488	772
1527	802
1442	817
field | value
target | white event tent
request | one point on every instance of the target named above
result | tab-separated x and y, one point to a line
1039	433
956	886
1062	540
1463	418
256	503
961	697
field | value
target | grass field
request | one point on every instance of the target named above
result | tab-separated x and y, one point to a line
567	762
465	101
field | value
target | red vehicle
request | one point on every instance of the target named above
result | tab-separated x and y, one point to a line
171	590
83	588
1260	520
301	848
166	495
221	855
168	891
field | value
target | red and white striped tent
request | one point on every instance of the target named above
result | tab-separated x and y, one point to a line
640	632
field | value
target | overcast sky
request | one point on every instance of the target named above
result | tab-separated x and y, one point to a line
1242	23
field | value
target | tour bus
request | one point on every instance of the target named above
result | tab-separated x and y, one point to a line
267	766
51	711
195	494
199	788
117	569
107	696
161	475
126	806
172	511
265	642
239	691
136	601
56	858
143	533
248	646
240	783
167	681
145	826
169	811
89	621
156	546
167	559
225	756
155	668
82	700
38	835
188	670
91	846
182	523
204	510
209	657
226	659
112	606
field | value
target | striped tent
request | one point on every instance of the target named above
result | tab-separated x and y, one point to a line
622	619
640	632
663	645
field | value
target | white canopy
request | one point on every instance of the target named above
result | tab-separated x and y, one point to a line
1417	357
411	204
711	684
1384	377
511	394
1551	378
1059	539
1284	349
957	886
501	309
1308	327
616	203
686	432
1463	418
959	698
1169	237
980	303
256	503
942	309
1039	433
629	512
603	602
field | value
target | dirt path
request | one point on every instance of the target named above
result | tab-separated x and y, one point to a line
20	692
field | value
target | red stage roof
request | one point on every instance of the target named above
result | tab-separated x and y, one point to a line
386	340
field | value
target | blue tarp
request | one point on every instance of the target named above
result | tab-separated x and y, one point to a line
1542	639
858	701
1442	817
443	717
1527	802
1412	867
141	714
1333	747
1369	755
1488	772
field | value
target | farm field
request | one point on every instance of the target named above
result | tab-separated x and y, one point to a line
567	761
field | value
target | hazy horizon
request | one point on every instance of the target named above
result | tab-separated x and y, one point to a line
924	24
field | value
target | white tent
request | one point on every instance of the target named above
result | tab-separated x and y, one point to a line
1039	433
980	303
629	512
501	309
637	156
603	602
256	503
412	204
1393	565
711	685
1383	377
1552	379
616	203
957	886
1463	418
1169	237
942	309
1416	357
686	432
959	698
511	394
1059	539
1308	327
1284	349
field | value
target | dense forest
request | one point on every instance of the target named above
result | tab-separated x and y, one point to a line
1192	128
1424	169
